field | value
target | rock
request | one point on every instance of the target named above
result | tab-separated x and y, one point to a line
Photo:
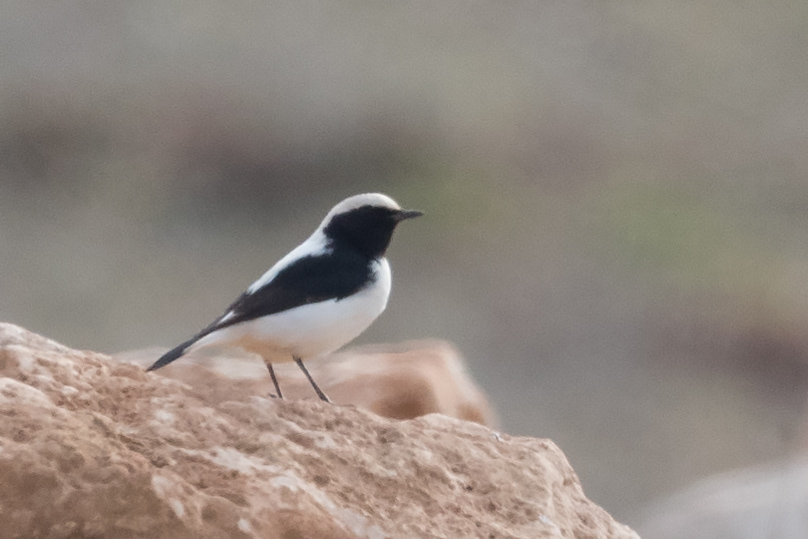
400	381
92	447
769	500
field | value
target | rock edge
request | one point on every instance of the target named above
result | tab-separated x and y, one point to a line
92	447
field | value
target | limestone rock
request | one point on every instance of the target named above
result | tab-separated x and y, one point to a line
92	447
400	381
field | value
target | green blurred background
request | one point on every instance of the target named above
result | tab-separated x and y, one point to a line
616	197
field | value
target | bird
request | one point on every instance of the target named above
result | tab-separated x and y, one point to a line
316	299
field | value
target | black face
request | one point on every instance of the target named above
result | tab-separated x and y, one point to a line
368	229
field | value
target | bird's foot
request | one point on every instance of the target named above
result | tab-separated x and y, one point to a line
274	382
323	396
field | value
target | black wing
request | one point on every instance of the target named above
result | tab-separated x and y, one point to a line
311	279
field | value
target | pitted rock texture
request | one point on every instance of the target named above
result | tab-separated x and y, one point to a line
92	447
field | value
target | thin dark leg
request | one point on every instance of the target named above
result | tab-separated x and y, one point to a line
274	380
319	391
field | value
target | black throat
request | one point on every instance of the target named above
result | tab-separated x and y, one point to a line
368	229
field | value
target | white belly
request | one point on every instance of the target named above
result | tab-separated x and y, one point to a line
310	330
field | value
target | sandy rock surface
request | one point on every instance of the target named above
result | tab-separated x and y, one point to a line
92	447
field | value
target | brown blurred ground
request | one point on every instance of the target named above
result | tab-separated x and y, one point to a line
615	193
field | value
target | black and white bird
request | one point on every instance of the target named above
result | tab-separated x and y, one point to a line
317	298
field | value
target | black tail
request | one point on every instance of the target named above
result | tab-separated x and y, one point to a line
172	354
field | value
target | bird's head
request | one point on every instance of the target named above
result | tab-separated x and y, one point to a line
365	222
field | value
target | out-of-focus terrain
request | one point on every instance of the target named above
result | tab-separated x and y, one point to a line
617	207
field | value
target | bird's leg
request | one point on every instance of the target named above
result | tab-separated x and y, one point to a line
319	391
274	380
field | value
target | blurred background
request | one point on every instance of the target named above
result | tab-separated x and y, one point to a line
617	206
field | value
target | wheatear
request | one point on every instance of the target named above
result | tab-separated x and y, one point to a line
317	298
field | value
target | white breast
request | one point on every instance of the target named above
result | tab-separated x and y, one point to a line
310	330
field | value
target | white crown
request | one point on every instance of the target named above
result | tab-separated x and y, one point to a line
357	201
